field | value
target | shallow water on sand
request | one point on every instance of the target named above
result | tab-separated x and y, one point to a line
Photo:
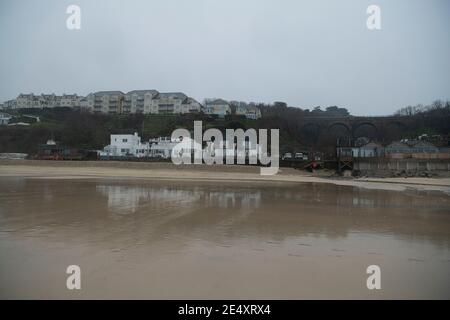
178	240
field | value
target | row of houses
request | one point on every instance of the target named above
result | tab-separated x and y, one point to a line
403	149
136	101
46	101
222	108
130	145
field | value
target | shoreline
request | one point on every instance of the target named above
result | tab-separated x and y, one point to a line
42	169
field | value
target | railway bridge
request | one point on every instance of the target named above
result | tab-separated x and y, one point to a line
378	128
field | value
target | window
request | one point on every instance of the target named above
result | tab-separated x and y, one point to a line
124	140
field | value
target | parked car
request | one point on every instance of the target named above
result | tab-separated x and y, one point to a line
287	156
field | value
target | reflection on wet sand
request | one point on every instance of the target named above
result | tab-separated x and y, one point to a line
229	240
126	199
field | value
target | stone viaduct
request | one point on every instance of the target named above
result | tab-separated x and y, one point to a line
379	128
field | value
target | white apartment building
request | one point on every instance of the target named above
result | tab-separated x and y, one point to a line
10	104
28	101
218	107
49	100
106	102
69	100
84	104
113	102
174	103
139	101
123	145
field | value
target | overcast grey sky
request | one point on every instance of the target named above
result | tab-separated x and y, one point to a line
306	53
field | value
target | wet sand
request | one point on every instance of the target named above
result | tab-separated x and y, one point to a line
169	171
175	239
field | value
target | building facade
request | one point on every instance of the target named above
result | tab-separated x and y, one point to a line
174	103
162	147
141	101
138	101
4	118
126	145
113	102
218	107
10	104
250	111
47	101
69	101
109	102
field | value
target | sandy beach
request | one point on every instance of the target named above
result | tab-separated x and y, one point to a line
168	171
160	231
160	237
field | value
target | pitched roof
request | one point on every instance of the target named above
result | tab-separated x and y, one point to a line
173	95
397	144
217	101
109	92
371	145
152	91
190	100
419	143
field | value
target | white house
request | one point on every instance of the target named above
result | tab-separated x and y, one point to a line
174	103
218	107
190	105
246	150
369	150
123	145
28	101
4	118
162	147
250	111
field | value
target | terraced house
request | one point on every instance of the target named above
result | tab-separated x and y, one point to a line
47	101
